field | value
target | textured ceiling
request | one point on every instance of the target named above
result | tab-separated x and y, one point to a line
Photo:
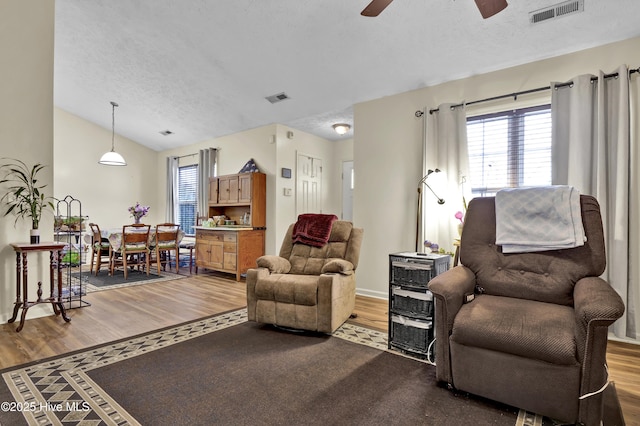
202	68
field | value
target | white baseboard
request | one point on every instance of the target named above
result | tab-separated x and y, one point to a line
372	293
623	340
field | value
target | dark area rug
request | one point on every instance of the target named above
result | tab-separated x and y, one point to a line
253	374
104	281
224	370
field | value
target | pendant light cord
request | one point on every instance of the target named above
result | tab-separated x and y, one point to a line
113	124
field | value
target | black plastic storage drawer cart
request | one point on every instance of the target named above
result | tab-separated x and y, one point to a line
410	302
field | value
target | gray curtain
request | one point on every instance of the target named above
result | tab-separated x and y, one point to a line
445	148
592	151
206	168
171	214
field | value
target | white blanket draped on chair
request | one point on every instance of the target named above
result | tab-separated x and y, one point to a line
538	219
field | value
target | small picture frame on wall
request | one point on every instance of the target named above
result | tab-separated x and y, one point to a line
286	173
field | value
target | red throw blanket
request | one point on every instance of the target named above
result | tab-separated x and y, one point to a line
313	229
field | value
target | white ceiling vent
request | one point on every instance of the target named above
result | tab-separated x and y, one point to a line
556	11
277	97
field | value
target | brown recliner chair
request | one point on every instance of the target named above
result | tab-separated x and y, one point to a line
306	287
535	336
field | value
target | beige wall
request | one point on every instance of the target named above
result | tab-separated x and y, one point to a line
388	146
106	192
272	150
26	127
234	151
342	151
288	150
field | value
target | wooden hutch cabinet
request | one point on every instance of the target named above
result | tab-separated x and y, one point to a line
233	251
234	248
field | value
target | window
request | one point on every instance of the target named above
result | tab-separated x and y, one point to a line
187	197
509	149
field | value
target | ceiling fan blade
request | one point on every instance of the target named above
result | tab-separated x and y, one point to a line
488	8
375	7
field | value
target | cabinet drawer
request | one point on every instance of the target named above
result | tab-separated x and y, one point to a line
230	237
411	334
230	247
209	236
410	273
412	303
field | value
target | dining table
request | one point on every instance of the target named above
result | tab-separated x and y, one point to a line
114	235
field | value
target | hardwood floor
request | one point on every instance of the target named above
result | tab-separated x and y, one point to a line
121	313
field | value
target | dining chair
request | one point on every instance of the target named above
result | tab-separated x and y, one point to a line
190	246
164	242
100	248
134	248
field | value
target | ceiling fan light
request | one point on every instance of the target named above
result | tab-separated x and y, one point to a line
112	158
341	128
488	8
375	7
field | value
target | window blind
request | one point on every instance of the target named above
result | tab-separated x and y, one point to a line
509	149
187	197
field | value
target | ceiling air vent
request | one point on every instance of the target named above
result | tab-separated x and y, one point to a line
277	97
166	132
556	11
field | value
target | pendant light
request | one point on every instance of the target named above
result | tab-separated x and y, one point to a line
112	158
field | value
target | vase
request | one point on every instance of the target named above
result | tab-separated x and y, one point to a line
460	225
35	236
137	220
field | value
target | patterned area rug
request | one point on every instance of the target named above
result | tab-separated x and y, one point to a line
62	390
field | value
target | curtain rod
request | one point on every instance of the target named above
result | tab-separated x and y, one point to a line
524	92
195	153
188	155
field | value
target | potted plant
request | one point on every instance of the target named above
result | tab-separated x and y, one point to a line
25	195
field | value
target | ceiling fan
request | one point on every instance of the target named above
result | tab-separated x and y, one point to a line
487	8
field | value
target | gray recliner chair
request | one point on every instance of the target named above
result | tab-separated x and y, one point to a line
307	288
535	336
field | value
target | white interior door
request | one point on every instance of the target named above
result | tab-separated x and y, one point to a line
347	190
308	185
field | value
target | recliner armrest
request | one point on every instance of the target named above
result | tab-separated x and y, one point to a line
451	286
596	304
595	299
449	289
275	264
339	266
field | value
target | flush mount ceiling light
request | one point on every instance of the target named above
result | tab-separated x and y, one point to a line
341	128
112	158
